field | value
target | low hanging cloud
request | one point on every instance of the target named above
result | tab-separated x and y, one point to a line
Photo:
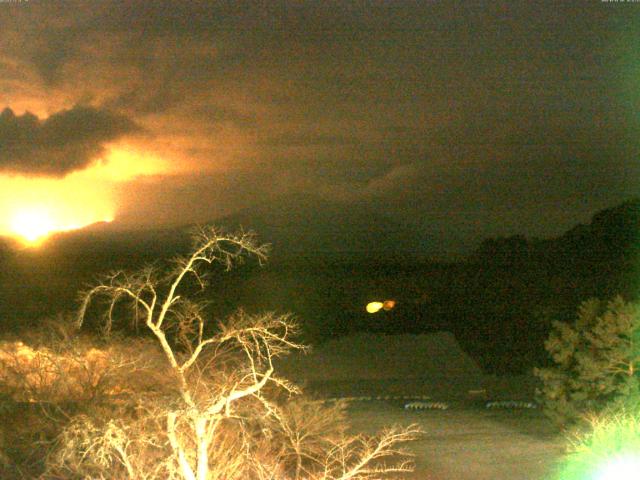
67	141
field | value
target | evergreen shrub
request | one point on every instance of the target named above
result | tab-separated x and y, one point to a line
595	362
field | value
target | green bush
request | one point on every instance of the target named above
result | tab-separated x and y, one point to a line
609	450
595	361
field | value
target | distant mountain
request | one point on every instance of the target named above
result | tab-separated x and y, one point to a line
613	235
110	237
295	225
306	225
507	287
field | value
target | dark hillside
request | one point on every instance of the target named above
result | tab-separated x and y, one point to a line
499	302
515	286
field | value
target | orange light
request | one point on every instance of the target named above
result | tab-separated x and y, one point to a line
123	163
388	305
32	208
33	224
375	307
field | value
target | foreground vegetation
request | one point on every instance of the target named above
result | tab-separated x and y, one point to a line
609	449
184	399
596	362
592	390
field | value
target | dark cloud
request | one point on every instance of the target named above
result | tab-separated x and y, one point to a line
66	141
307	139
216	115
148	100
435	113
164	200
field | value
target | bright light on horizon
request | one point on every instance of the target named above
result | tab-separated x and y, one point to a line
32	207
32	225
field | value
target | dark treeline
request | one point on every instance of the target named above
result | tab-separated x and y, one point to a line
499	302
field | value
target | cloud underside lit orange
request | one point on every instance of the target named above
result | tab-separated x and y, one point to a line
35	207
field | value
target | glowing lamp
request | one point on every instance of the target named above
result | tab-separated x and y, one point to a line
388	305
373	307
620	468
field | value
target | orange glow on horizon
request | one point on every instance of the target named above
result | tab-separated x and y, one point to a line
35	207
33	224
123	163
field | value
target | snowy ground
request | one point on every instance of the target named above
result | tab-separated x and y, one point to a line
465	442
468	442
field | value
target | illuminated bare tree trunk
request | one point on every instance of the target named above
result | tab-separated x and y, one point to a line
260	339
205	400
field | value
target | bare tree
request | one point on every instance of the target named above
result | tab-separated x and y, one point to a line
221	376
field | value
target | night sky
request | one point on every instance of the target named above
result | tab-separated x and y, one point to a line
467	119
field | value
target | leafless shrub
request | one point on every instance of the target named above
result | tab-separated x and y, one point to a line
363	457
74	372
